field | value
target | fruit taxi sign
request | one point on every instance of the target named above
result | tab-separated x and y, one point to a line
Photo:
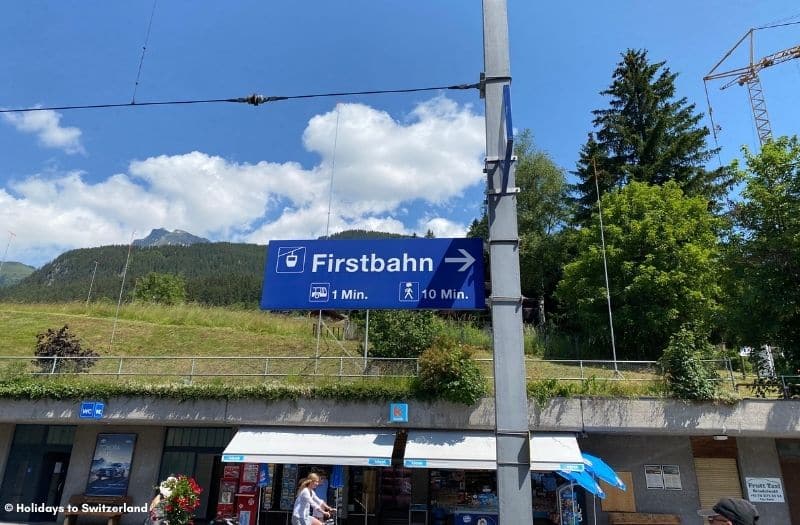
441	274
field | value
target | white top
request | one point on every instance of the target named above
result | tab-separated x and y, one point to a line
303	504
318	512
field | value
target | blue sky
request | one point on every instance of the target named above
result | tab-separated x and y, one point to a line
403	163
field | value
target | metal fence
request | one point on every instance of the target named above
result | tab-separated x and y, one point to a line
190	369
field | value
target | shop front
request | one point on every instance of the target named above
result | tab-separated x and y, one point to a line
355	467
463	481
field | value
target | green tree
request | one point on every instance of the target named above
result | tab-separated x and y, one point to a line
447	371
765	251
646	134
401	333
161	288
542	210
688	376
663	266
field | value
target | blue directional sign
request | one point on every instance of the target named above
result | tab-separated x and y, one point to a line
441	274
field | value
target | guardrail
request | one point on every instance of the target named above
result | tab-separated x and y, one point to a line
790	386
191	368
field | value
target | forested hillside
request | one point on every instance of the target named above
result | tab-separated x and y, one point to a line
13	272
216	274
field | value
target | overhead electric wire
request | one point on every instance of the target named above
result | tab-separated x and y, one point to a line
253	99
144	50
779	25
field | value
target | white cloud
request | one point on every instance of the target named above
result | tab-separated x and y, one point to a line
381	162
442	227
386	170
46	125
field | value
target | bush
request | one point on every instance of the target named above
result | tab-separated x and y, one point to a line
687	376
401	333
447	371
162	288
62	343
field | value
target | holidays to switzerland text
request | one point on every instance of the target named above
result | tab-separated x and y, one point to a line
85	507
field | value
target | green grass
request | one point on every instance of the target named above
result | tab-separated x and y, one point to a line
236	346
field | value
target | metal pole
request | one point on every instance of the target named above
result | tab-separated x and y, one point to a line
605	269
319	334
11	235
511	402
91	283
366	342
121	287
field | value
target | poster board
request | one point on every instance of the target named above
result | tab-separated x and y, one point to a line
110	470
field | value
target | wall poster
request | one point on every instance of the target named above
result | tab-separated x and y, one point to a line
765	490
110	470
654	476
672	477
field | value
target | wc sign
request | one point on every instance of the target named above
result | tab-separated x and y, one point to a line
92	409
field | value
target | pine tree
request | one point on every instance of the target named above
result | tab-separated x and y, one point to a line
647	135
593	159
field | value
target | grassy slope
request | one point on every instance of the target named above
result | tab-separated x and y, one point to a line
238	341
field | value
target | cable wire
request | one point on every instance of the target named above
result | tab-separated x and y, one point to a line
780	25
144	50
253	99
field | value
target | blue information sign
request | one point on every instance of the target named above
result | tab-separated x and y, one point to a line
398	413
92	410
441	274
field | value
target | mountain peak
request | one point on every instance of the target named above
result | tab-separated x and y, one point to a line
163	237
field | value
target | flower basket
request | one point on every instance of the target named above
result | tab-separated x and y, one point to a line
180	496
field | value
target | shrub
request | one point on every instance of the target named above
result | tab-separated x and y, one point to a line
447	371
687	376
163	288
401	333
62	343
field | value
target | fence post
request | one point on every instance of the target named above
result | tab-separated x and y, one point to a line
580	362
53	369
191	372
729	366
784	389
119	368
341	367
266	367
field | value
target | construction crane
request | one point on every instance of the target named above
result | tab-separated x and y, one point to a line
748	75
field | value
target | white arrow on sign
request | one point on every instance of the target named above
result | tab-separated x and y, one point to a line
468	259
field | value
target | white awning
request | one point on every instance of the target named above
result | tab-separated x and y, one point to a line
450	450
553	451
477	451
314	446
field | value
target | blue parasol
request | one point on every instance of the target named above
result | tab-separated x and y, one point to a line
584	480
264	478
600	469
337	477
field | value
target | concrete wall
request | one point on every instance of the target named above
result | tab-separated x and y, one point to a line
628	453
6	437
752	418
144	467
758	458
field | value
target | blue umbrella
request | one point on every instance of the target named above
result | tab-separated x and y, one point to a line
264	478
584	480
337	477
601	470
